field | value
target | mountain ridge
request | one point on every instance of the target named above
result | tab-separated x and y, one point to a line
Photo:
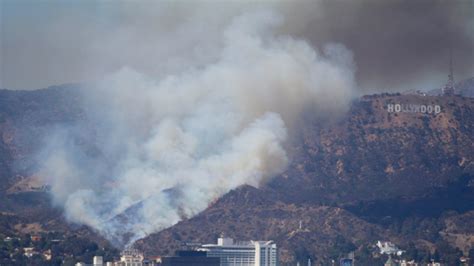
349	181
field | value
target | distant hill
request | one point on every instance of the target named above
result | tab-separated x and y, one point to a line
24	117
464	88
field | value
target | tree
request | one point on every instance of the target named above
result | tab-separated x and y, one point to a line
471	255
411	252
435	256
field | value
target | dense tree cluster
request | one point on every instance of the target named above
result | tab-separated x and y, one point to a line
64	250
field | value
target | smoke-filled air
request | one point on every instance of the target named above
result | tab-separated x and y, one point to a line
162	148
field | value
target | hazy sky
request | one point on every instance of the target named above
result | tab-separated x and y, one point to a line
397	44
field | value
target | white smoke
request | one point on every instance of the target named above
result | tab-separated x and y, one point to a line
166	147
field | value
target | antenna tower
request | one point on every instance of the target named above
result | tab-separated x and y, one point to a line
449	87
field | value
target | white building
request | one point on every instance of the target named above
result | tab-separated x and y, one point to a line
248	253
29	252
408	263
98	261
131	257
389	248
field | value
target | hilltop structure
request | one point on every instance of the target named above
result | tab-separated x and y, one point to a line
448	89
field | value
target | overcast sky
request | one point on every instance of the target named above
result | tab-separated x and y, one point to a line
397	44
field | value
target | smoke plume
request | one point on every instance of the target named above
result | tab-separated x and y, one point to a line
165	146
397	44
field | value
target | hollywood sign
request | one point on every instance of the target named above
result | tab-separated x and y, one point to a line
413	108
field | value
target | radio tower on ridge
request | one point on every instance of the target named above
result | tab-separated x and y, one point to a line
449	87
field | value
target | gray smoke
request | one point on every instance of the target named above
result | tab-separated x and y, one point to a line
216	117
397	44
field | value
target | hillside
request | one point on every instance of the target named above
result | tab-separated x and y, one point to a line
25	206
400	176
369	175
373	154
25	116
246	213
